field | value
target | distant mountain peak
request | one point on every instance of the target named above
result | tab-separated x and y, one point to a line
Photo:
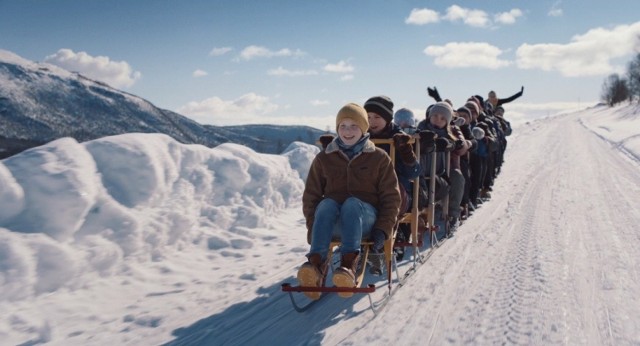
40	102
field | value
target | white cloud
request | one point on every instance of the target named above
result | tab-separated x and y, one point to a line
252	52
217	51
475	18
422	16
199	73
317	103
508	17
586	55
455	13
467	54
341	67
555	10
118	74
346	77
222	112
281	71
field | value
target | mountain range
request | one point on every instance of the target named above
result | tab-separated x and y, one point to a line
40	102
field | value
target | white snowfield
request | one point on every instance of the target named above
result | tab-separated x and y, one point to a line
139	240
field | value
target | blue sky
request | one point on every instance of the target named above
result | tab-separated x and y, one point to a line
298	62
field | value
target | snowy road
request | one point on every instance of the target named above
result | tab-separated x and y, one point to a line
551	259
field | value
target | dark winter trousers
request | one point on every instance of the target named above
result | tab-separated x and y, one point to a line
455	192
478	167
464	168
487	182
502	150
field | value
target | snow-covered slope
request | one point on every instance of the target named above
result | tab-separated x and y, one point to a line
137	239
40	102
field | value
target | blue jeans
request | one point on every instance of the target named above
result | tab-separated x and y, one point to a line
349	222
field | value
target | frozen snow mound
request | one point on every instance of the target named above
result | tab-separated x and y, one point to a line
70	211
300	157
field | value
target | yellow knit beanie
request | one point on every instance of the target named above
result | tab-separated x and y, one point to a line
356	113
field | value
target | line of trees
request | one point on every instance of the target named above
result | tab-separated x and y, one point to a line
617	89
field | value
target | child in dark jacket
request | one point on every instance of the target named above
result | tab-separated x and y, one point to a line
407	167
440	116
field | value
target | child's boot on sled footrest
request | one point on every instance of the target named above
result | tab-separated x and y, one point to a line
312	274
376	261
345	276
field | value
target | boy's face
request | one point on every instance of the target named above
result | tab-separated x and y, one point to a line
376	123
349	132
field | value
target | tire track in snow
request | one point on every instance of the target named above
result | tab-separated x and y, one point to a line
519	278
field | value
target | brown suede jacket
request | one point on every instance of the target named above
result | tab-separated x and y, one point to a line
369	176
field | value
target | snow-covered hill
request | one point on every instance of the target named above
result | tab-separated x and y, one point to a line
138	239
40	102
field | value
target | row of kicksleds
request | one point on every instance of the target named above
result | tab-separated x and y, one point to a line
427	228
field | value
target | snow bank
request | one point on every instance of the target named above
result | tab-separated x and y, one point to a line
71	212
618	125
300	156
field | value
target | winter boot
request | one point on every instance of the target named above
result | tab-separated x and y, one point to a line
376	261
312	274
464	214
485	194
402	236
399	252
453	226
345	276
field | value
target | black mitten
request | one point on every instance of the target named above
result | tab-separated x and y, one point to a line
404	149
427	141
458	144
325	140
443	144
378	237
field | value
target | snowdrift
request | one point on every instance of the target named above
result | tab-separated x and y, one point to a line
71	211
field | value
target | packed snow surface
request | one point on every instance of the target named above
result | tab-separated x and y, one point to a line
140	240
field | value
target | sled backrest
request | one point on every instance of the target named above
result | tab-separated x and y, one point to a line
413	216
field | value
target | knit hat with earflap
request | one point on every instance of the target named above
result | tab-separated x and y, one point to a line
356	113
442	108
472	106
381	105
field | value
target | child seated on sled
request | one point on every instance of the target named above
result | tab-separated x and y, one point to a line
406	120
381	126
438	121
351	192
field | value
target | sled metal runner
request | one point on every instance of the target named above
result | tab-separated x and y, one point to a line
416	242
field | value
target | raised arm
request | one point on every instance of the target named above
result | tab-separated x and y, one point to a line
511	98
434	94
